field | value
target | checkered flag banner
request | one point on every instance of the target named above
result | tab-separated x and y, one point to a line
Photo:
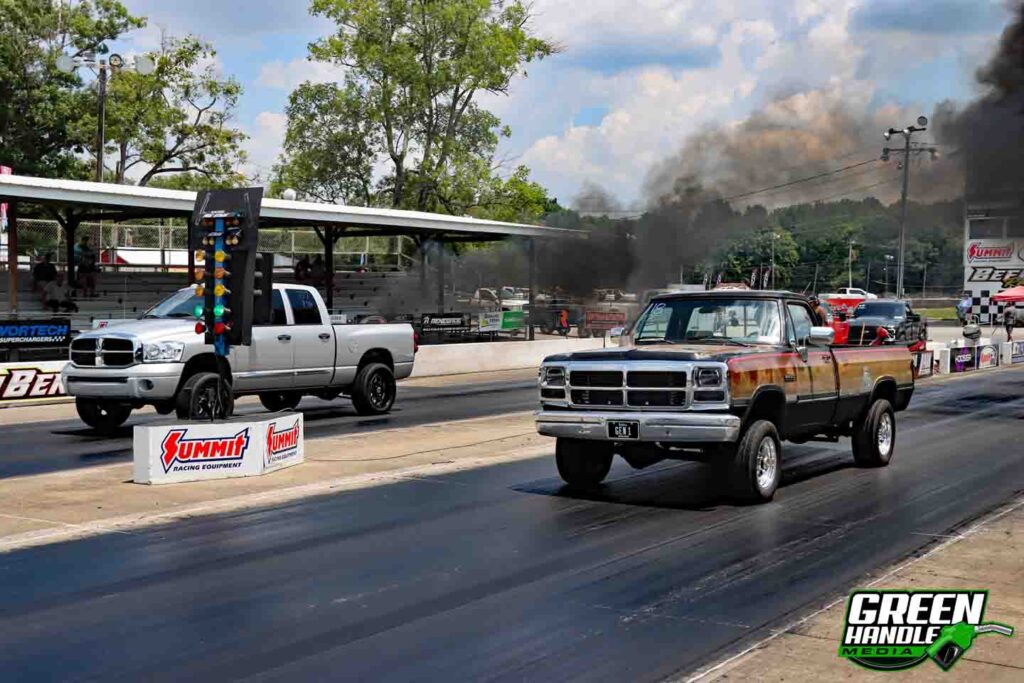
764	278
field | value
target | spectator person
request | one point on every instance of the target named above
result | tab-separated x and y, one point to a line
57	296
1010	320
43	273
318	271
819	310
963	308
302	269
85	264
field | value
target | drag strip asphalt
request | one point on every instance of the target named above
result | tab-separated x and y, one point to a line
501	573
35	448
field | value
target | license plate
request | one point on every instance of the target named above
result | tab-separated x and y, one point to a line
623	430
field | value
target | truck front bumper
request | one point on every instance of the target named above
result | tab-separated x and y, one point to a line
145	382
665	427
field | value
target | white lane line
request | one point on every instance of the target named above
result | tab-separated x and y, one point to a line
974	528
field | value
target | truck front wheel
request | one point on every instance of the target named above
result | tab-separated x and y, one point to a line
373	392
753	470
197	399
874	436
583	464
103	416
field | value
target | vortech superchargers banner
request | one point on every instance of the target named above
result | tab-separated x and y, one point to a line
197	451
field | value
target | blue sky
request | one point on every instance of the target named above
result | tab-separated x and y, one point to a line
635	77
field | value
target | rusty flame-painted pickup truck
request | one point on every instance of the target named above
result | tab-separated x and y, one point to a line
721	377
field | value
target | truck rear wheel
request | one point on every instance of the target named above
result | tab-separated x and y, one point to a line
373	392
276	401
583	464
103	416
752	472
197	399
874	436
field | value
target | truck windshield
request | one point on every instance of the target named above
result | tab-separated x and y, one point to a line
878	309
744	321
181	304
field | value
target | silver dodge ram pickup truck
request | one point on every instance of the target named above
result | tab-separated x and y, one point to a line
158	359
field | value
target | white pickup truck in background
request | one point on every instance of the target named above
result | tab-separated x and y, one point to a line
160	360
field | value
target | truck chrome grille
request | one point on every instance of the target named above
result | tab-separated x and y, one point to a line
656	380
645	399
596	397
83	352
595	378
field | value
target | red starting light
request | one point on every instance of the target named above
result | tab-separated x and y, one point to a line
200	328
219	328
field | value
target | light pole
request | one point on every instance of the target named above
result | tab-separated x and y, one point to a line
907	133
66	63
849	267
888	260
774	235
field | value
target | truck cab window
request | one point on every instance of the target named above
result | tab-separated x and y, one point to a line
304	307
277	314
801	324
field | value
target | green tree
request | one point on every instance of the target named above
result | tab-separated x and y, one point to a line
176	119
42	110
417	67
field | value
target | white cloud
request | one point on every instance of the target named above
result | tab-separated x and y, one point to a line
264	144
288	76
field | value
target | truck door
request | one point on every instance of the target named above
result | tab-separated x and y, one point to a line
817	409
798	378
313	338
271	357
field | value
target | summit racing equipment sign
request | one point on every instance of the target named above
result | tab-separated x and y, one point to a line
896	630
196	451
203	452
979	251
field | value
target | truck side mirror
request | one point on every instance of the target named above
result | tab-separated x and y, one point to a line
821	336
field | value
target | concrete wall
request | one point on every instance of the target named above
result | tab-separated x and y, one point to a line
456	359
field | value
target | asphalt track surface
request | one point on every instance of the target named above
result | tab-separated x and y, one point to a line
34	448
500	573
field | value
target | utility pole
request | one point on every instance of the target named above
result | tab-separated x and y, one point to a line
924	280
888	260
773	259
101	118
849	267
907	133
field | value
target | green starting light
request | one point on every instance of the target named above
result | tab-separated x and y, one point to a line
198	311
218	310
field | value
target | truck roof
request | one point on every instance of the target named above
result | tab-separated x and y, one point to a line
730	294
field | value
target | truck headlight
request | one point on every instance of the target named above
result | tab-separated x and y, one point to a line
708	377
553	376
162	352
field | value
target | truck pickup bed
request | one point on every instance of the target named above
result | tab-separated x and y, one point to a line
722	377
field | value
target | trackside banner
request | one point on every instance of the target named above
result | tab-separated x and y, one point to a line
22	334
197	451
39	382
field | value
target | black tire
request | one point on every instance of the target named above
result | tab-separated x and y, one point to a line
103	416
195	400
747	475
583	464
874	436
373	392
276	401
164	407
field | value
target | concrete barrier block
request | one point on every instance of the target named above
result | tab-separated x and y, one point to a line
457	359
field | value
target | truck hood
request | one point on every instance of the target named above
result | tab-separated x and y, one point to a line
150	330
663	352
874	321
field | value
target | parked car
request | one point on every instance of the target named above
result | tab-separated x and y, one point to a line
901	323
159	360
722	377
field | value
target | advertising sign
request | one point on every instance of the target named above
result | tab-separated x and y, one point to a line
198	451
444	322
962	359
988	356
21	334
924	363
512	320
604	320
490	321
501	321
31	382
1017	352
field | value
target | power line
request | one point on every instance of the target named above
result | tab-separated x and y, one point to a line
800	180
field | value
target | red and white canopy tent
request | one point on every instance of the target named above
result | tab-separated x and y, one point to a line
1013	295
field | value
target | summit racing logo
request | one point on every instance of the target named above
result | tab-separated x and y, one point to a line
979	252
896	630
281	445
207	453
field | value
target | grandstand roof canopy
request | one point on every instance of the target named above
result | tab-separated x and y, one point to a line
103	201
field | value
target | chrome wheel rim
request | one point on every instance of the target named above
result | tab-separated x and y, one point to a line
767	463
885	434
378	391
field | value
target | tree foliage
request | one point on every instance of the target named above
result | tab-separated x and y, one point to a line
414	71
